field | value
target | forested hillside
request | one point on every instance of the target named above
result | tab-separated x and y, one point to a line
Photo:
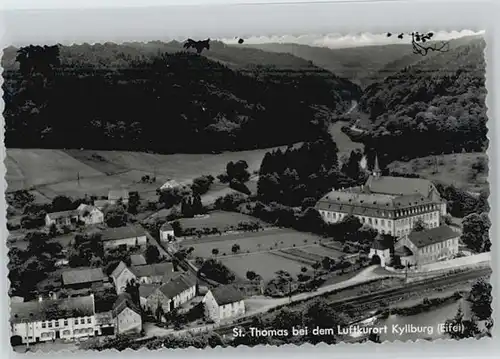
432	107
137	97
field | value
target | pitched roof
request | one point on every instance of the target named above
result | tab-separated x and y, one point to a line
80	276
370	204
52	309
123	301
116	194
177	285
432	236
403	251
399	185
166	227
122	232
380	244
118	269
101	203
227	294
63	214
145	290
150	270
137	260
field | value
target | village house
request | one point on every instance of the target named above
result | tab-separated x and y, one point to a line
137	260
224	302
390	205
127	315
84	214
166	232
145	290
89	214
157	273
83	278
172	294
116	195
428	245
169	185
104	323
129	236
101	203
47	319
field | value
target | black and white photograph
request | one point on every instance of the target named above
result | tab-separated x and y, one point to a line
247	190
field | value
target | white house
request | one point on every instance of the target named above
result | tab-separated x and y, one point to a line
85	214
157	273
129	236
62	218
166	232
89	214
47	319
116	195
127	315
224	302
169	184
380	252
172	294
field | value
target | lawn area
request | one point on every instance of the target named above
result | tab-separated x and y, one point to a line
250	242
64	241
450	169
322	251
265	264
54	172
218	219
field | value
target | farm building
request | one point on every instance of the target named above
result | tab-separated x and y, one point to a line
129	236
224	302
116	195
62	218
137	260
82	278
172	294
169	184
145	290
127	315
166	232
84	213
104	323
145	274
42	320
89	214
428	245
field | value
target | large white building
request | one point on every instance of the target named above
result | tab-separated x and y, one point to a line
48	319
391	205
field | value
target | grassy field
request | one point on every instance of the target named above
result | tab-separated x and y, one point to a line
48	173
218	219
450	169
250	242
266	264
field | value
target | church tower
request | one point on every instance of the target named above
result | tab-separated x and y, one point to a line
376	169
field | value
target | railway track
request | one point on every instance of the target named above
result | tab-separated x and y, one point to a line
385	294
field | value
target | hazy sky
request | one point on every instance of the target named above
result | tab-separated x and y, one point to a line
342	41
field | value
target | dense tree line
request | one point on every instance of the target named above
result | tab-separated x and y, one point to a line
432	107
289	177
177	102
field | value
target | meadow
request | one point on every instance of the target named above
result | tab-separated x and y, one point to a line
249	242
265	264
48	173
449	169
218	219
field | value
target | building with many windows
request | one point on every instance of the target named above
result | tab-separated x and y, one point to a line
50	319
391	205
